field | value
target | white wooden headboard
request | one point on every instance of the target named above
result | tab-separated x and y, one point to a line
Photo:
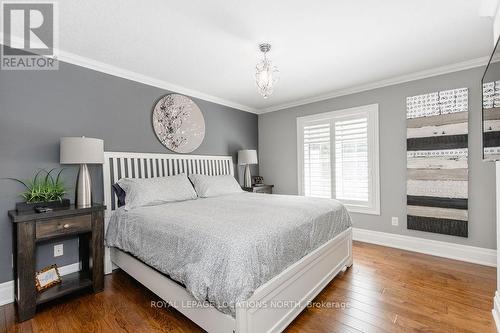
119	165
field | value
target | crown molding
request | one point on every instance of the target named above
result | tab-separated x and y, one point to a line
102	67
134	76
383	83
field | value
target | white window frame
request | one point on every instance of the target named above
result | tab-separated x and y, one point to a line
371	112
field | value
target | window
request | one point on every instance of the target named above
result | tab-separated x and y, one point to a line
317	170
338	157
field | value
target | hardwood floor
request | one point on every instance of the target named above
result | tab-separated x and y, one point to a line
386	290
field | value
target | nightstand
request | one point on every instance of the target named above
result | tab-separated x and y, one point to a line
31	228
260	189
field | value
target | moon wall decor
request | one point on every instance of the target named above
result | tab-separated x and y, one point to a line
178	123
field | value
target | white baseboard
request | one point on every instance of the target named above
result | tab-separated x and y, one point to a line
7	292
496	310
7	288
472	254
68	269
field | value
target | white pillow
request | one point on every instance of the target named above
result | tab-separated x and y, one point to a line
213	186
156	191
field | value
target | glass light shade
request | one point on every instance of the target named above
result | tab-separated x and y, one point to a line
266	76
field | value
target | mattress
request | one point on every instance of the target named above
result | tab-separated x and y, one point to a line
222	249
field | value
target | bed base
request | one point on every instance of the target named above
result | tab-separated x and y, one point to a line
296	285
281	299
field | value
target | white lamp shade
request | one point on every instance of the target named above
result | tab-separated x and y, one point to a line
81	150
247	156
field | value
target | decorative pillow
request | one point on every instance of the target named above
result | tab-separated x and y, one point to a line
120	194
213	186
156	191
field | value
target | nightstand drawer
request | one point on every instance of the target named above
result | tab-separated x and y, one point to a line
63	226
263	189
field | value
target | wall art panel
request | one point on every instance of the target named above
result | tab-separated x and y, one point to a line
491	121
437	168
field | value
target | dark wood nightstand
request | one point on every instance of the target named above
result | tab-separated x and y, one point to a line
30	228
260	189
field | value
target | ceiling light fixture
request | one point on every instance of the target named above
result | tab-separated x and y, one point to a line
266	74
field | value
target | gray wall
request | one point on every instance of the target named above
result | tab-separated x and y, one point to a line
38	107
278	154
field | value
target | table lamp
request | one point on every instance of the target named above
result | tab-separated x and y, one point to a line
247	157
83	151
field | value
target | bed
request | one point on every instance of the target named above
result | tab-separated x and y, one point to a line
237	263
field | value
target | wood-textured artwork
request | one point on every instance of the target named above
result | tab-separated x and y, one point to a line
491	120
437	168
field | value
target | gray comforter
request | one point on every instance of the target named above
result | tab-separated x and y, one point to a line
222	249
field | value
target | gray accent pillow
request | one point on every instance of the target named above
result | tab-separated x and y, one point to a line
156	191
213	186
120	194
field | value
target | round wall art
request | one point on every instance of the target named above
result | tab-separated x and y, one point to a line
178	123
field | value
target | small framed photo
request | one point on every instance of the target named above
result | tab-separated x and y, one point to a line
47	277
258	180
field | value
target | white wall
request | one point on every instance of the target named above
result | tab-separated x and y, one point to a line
496	311
496	25
496	34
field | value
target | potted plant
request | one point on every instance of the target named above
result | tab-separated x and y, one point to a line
43	190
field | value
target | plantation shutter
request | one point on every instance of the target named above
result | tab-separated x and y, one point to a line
351	160
338	155
317	161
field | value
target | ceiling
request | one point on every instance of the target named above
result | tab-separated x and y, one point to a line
209	48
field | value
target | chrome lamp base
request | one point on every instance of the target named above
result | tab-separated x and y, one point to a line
83	192
248	177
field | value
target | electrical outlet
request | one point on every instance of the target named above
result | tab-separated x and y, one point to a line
395	221
58	250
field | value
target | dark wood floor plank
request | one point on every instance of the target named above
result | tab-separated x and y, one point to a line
386	290
455	303
430	318
3	326
423	260
424	275
420	267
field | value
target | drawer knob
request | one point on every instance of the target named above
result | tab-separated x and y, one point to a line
66	226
